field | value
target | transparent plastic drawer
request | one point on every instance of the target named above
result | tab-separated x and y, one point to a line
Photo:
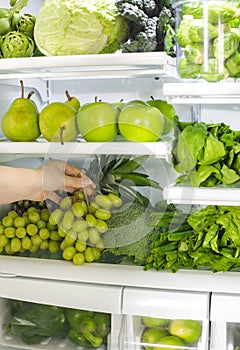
225	322
48	315
162	319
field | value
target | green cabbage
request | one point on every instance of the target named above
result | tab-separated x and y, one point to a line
74	27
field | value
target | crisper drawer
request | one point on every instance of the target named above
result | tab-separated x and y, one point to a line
50	315
225	321
163	319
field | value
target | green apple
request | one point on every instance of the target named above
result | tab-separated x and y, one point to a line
141	123
168	112
97	121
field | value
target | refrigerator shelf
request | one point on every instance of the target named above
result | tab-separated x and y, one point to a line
202	93
12	267
96	65
202	195
18	149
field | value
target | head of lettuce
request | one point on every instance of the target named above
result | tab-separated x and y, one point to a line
75	27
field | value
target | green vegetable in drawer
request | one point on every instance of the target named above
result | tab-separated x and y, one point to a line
35	322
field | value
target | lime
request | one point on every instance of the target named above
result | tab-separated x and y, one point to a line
154	321
187	330
169	343
152	336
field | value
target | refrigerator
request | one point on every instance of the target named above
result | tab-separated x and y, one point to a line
128	295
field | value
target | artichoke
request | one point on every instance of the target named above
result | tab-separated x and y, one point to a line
26	24
16	44
5	21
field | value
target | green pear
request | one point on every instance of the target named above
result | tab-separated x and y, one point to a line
72	101
20	122
57	122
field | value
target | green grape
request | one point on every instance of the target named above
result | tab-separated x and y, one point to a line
55	217
68	220
36	240
44	244
1	250
15	244
80	246
19	222
44	233
8	249
83	236
78	209
94	236
41	224
96	253
21	232
4	240
71	236
34	216
25	217
44	214
116	201
32	209
54	236
68	253
53	247
78	259
101	226
12	214
84	205
78	195
34	248
103	201
89	254
79	225
26	243
91	220
7	221
51	227
102	214
64	244
10	232
1	229
100	245
93	207
66	203
61	232
32	229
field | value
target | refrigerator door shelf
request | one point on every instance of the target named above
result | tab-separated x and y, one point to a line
166	307
202	93
87	66
202	195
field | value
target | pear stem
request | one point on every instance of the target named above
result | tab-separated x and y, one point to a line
22	89
30	94
68	96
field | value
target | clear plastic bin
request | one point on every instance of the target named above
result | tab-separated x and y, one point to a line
208	40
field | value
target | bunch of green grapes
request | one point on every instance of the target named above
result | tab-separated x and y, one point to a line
28	232
81	224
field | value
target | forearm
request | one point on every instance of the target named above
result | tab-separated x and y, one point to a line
16	184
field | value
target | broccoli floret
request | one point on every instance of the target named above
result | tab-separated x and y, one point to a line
165	31
129	233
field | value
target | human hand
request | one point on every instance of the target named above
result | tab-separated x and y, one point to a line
58	175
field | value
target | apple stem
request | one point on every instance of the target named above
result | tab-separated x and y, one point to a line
62	128
152	97
95	99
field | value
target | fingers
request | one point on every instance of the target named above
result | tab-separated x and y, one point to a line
52	196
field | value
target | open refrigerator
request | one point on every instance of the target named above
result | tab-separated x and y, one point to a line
126	293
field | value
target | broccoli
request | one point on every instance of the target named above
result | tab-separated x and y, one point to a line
151	25
129	234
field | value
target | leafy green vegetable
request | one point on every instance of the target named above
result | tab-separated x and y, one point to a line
197	30
224	47
188	70
207	154
79	27
36	322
